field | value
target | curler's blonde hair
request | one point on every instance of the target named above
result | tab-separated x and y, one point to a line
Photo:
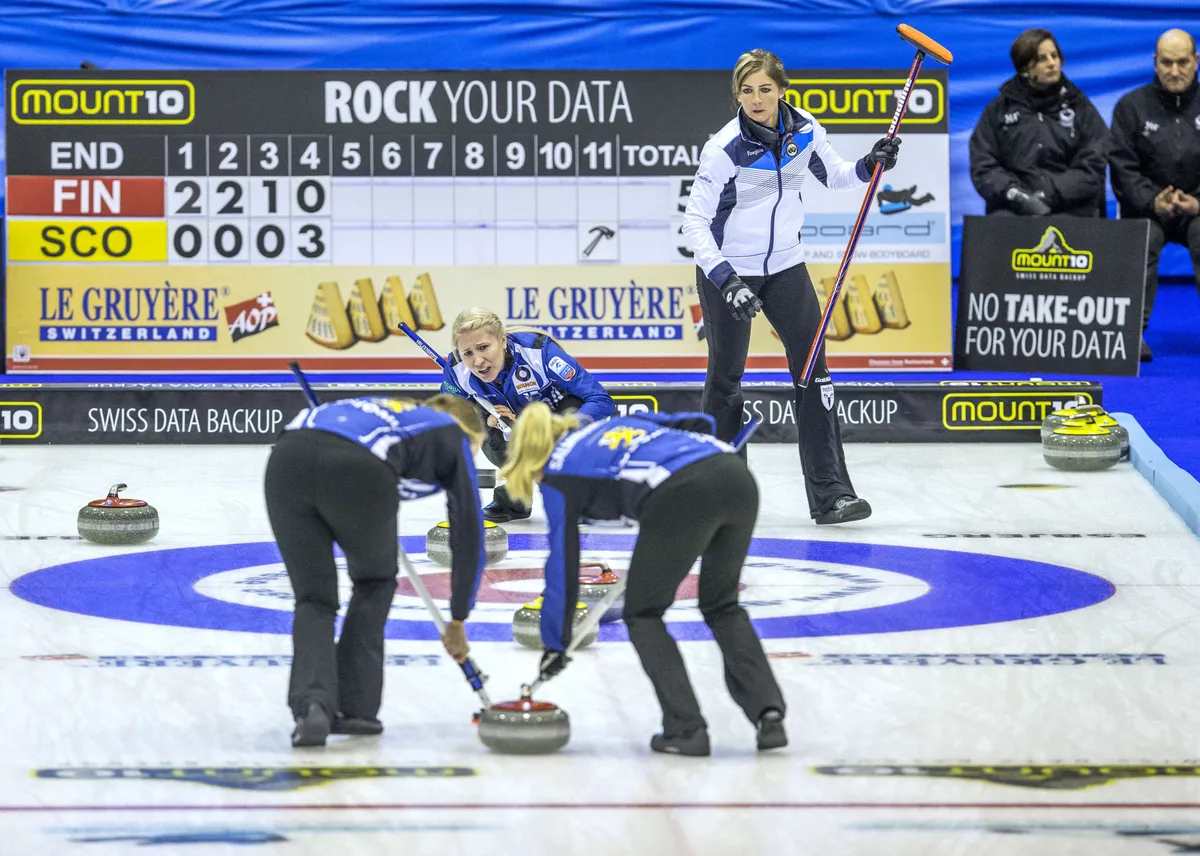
461	411
474	319
537	430
759	60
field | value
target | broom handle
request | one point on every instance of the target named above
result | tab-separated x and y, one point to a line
814	349
474	677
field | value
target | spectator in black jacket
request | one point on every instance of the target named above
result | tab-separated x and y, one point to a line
1155	157
1039	147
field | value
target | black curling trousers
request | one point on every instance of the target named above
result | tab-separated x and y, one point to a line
791	305
321	489
706	510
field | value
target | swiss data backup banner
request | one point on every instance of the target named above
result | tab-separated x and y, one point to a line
974	411
231	220
1051	294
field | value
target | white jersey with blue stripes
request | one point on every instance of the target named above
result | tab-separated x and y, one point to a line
746	209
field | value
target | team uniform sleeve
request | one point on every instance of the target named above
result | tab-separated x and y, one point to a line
991	179
466	521
450	382
697	423
830	168
562	566
1132	188
715	172
576	380
1083	181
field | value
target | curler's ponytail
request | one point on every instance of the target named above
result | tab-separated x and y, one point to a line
533	439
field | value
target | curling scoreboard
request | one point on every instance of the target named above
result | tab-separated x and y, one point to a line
217	220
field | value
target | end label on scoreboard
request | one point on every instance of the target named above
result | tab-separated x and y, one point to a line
68	101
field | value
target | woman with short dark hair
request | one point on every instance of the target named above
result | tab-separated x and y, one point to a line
1040	146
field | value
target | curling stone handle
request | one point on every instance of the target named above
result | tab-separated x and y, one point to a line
475	677
115	489
587	626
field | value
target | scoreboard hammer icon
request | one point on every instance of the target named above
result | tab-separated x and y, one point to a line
600	232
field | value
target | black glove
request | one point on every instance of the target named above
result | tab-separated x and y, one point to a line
885	151
1030	205
742	302
552	663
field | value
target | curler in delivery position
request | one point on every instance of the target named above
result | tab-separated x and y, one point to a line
694	497
511	371
338	474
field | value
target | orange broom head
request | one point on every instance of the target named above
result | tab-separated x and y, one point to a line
922	42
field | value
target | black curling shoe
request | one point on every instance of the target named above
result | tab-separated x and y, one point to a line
497	513
845	510
694	744
312	727
771	733
343	724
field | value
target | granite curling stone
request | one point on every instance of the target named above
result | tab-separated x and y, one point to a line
118	520
1080	445
1074	411
437	543
596	580
527	624
524	727
1104	420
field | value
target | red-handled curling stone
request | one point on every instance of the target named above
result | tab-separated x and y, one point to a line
118	520
528	727
524	726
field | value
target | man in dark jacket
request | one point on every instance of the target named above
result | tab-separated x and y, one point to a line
1155	157
1039	147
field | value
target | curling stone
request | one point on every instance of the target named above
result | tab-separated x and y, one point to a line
1114	427
524	727
117	520
527	625
596	580
1057	418
485	478
1081	445
437	543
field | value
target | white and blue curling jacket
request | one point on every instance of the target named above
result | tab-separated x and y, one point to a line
536	369
428	452
746	205
605	471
